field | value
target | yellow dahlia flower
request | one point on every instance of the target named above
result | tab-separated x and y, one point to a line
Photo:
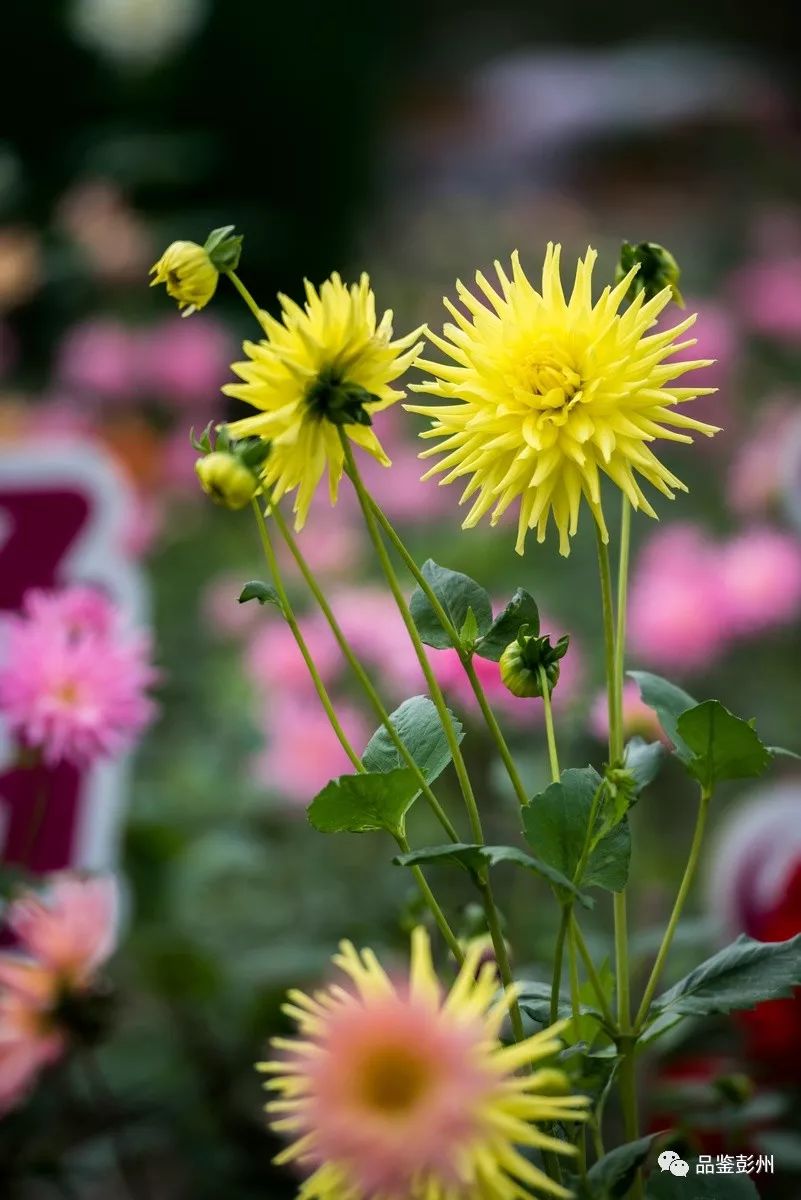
396	1090
548	393
189	273
322	367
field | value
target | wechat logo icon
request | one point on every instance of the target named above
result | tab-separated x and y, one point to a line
669	1161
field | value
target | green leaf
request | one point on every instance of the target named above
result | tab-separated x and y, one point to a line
475	858
555	827
418	726
644	760
265	593
613	1175
363	803
535	998
664	1186
521	610
722	746
457	594
740	976
468	634
669	702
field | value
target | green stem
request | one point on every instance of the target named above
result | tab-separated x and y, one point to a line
622	606
558	960
575	1004
553	756
493	920
675	916
289	617
453	634
360	673
430	899
246	296
592	975
325	699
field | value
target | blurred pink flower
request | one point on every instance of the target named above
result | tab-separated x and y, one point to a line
302	751
178	463
276	665
760	573
186	362
398	489
73	692
331	542
677	604
372	624
71	929
716	337
100	356
638	719
64	937
76	611
762	467
767	294
145	521
116	242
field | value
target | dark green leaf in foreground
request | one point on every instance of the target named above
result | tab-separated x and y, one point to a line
362	803
740	976
521	610
418	726
475	858
457	594
265	593
555	827
613	1175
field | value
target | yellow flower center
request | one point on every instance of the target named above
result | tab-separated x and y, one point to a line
549	381
68	692
391	1080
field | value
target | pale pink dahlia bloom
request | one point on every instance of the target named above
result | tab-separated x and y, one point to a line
761	577
73	680
64	937
302	752
401	1090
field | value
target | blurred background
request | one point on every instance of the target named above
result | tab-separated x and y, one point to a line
417	143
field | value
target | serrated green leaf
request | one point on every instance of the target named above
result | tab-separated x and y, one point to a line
265	593
644	760
457	594
418	726
475	858
364	803
521	610
555	827
722	746
740	976
612	1176
664	1186
669	702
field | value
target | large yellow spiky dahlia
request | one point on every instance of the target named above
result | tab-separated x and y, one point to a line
545	394
321	368
398	1090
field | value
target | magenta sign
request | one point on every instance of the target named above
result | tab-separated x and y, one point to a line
63	512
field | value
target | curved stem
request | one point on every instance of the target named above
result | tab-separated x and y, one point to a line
246	296
289	617
325	699
430	899
681	898
592	974
622	604
360	673
466	659
558	960
575	1004
493	920
553	756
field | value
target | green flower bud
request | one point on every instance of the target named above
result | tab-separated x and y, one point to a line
521	661
227	479
658	269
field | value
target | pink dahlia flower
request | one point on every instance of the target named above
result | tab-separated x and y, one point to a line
303	753
73	681
760	573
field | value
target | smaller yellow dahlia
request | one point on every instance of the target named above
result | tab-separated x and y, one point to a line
544	394
321	368
189	273
397	1090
